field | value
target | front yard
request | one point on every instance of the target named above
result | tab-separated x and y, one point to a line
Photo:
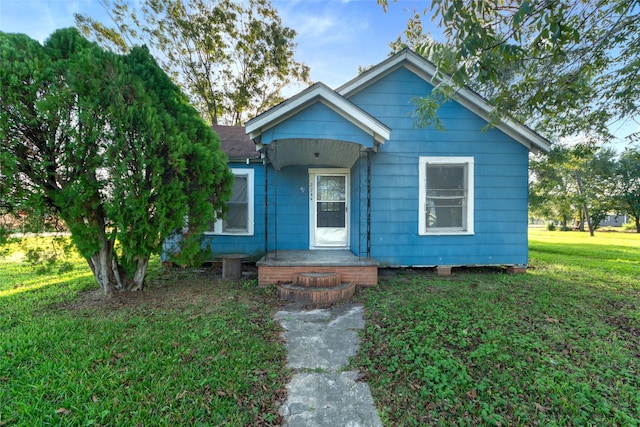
190	350
559	345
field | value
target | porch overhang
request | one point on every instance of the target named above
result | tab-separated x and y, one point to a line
317	126
312	151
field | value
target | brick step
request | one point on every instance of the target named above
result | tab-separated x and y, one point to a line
317	280
316	296
363	275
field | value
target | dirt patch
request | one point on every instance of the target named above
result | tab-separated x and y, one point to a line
623	323
174	288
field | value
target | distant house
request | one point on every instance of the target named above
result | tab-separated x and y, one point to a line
614	220
346	174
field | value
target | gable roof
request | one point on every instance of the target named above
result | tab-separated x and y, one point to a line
235	143
319	92
465	96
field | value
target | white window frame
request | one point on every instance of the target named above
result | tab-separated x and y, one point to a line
219	224
468	226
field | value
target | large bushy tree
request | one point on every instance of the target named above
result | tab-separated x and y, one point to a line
111	145
566	67
554	191
628	184
231	57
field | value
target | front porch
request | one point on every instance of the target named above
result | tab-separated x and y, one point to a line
282	266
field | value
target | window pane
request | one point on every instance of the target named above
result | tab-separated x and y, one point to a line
444	213
237	213
331	188
237	217
331	214
445	177
239	191
446	194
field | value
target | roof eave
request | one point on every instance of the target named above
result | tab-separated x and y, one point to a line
465	96
521	133
318	93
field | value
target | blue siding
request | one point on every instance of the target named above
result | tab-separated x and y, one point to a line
293	208
318	121
288	205
253	245
358	217
500	181
500	173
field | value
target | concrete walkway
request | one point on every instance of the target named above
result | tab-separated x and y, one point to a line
319	344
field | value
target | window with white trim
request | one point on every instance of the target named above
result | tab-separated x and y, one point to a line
239	217
446	195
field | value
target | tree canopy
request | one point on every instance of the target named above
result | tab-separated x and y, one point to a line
232	58
564	67
628	184
610	184
109	144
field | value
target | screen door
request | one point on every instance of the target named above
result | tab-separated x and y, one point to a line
329	206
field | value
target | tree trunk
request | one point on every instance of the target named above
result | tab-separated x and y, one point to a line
638	224
110	275
141	272
105	268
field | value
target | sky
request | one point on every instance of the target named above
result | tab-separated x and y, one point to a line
335	37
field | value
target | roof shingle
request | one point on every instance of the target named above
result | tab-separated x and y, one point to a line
235	142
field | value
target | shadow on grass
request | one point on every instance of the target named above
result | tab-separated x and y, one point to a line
188	350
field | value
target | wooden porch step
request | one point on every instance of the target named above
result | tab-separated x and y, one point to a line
318	295
317	280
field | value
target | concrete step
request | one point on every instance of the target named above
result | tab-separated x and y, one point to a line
317	280
316	295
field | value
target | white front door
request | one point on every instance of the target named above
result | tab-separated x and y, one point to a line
329	208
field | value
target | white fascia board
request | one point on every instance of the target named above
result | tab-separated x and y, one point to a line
280	112
466	97
322	93
360	119
283	110
356	115
417	64
521	133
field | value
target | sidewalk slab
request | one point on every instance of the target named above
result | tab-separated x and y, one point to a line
322	341
329	399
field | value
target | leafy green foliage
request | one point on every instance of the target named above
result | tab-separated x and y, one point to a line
554	185
566	68
555	346
45	258
628	184
189	351
232	58
109	144
27	264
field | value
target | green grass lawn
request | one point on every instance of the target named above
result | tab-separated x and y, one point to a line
559	345
190	350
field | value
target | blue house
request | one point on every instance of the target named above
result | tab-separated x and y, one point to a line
344	181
